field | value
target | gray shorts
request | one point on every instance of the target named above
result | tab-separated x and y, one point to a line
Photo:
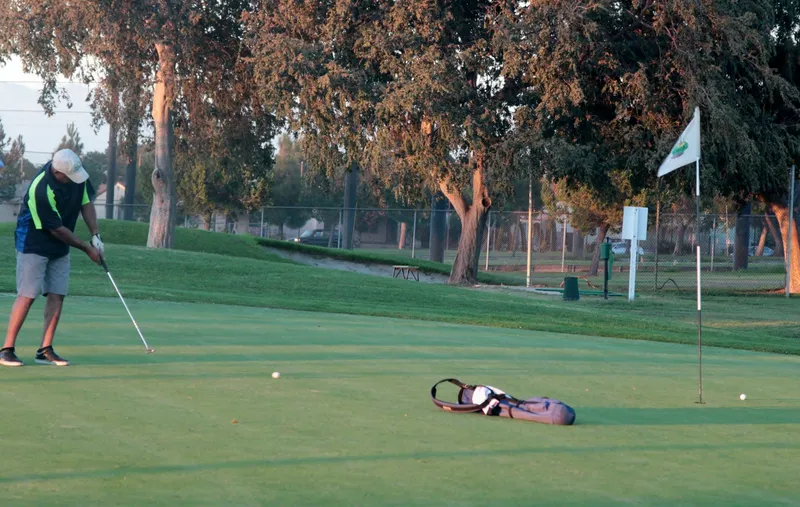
40	275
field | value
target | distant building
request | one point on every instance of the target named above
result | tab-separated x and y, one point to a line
101	199
10	209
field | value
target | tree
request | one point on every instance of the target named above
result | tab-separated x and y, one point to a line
419	91
740	62
71	140
223	171
189	52
10	175
622	80
96	164
288	187
593	209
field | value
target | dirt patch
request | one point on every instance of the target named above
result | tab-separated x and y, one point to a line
364	268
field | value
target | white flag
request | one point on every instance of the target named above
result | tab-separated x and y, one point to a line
686	150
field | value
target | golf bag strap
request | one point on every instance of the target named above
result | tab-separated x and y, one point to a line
458	407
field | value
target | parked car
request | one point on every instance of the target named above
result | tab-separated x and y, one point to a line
751	252
621	248
766	253
318	237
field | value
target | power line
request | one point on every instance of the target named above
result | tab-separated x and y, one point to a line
68	111
13	81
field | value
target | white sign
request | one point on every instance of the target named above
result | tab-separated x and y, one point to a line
634	228
634	219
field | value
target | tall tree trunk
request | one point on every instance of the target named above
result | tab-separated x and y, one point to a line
130	178
401	240
679	239
162	215
473	223
775	233
781	212
601	237
516	232
111	175
465	266
438	227
577	244
350	186
741	247
762	240
330	236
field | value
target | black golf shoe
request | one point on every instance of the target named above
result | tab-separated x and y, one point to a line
9	358
48	356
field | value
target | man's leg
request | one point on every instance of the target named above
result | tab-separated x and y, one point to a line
52	314
18	313
56	282
30	276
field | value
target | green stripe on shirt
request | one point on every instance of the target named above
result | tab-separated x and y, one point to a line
51	196
86	199
37	222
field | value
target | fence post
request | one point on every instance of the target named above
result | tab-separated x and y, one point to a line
713	241
658	238
488	236
727	234
447	235
339	232
563	244
530	228
789	236
414	236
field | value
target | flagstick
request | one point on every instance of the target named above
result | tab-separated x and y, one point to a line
699	306
689	144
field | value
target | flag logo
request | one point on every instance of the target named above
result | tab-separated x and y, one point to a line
686	149
680	149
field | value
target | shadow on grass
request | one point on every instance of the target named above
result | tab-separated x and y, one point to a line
603	416
345	460
226	375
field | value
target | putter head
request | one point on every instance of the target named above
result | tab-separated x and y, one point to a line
150	351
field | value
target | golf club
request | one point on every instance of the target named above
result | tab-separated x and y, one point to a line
146	347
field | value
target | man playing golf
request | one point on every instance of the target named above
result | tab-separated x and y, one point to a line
45	230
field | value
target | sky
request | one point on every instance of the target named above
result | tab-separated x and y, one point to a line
21	114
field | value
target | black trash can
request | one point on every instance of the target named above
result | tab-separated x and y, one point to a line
571	292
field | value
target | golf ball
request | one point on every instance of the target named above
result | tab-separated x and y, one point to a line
275	374
742	396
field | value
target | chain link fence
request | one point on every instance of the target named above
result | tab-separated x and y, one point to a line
738	253
665	260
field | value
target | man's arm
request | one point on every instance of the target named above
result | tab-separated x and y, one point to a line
90	217
71	239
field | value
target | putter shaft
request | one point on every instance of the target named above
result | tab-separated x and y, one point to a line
147	347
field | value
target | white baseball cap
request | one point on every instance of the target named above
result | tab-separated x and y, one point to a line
67	162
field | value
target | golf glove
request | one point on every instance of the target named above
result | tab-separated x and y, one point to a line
97	243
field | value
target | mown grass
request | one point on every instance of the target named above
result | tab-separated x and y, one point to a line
350	421
755	323
193	240
375	257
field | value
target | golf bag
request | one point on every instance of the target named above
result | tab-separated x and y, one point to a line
494	402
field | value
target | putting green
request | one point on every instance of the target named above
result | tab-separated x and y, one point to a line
350	421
